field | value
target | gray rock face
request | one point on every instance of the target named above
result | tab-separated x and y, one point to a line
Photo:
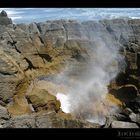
58	33
121	124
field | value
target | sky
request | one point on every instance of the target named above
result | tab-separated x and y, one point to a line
28	15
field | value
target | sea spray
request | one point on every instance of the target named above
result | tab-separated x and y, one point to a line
86	94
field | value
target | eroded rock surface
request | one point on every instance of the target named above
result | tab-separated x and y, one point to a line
31	51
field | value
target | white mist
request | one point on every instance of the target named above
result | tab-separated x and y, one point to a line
86	95
65	105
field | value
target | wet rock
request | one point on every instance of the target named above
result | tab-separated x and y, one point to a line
121	124
126	93
134	104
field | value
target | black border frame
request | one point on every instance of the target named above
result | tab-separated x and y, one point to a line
69	3
106	133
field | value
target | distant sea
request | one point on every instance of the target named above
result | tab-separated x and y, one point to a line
28	15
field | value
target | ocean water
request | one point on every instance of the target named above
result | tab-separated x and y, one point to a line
27	15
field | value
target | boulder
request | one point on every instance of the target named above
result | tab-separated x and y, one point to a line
41	99
4	20
121	124
3	14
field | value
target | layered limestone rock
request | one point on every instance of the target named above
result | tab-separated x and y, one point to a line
31	51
